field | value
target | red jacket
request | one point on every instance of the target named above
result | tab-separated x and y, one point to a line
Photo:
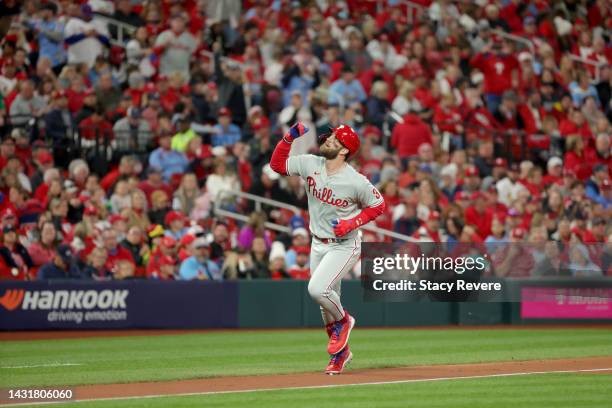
89	130
408	136
482	221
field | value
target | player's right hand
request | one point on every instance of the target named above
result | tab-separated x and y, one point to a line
297	130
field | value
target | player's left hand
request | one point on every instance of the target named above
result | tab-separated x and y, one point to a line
343	227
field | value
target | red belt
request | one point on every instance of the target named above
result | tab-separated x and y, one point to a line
330	240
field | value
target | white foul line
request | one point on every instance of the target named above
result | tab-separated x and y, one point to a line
43	365
308	387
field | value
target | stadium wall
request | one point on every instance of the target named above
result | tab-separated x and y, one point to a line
273	304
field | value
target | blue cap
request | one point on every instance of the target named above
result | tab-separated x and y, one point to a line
297	222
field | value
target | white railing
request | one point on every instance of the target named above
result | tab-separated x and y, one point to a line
259	201
516	38
414	11
598	65
123	31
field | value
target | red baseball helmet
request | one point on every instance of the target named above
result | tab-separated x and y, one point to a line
348	137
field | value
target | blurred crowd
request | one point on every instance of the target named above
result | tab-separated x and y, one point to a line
122	123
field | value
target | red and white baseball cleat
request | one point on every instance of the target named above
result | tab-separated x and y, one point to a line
339	361
340	334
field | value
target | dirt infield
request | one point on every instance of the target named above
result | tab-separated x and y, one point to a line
350	377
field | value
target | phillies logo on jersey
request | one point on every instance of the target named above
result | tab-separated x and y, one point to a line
325	194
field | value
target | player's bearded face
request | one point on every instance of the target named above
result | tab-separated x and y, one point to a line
331	148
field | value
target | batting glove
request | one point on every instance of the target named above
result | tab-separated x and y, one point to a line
296	131
343	227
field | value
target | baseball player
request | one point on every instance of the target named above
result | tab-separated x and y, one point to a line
340	200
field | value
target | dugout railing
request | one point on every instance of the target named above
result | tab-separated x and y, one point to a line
260	202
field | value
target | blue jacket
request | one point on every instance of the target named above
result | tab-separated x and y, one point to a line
169	161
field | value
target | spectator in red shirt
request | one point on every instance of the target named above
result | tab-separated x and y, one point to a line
500	69
96	129
154	182
480	215
575	158
117	255
514	259
408	136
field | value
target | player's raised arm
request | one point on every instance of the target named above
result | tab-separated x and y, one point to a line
278	162
374	205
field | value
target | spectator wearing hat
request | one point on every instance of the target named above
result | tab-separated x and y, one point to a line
500	71
162	246
44	250
184	134
506	113
175	47
471	180
50	33
514	259
15	260
199	266
174	222
116	254
300	270
168	160
133	134
164	268
554	171
205	100
87	108
299	238
278	268
510	187
260	146
63	265
8	79
225	132
85	37
95	128
597	184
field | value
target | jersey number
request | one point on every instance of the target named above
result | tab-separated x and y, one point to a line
376	193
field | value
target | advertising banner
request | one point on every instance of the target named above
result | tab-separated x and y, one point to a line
566	303
117	305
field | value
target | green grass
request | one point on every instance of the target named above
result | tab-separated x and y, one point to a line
541	391
167	357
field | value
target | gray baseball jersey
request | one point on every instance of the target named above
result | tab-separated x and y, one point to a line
339	196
